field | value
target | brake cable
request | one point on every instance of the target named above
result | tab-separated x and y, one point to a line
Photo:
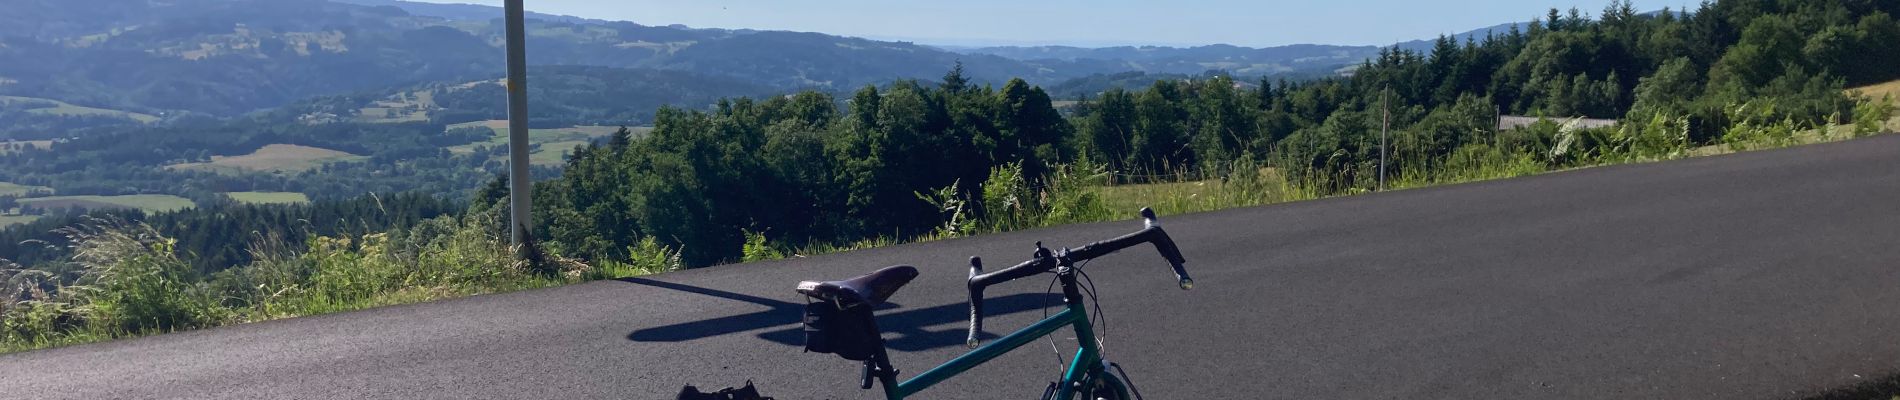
1061	364
1101	340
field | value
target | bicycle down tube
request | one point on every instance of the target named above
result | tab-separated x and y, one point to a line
1074	315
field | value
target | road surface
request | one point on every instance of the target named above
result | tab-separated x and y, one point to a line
1760	275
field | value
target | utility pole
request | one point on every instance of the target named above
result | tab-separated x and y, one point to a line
520	185
1385	117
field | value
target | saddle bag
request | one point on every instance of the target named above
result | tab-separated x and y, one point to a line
849	333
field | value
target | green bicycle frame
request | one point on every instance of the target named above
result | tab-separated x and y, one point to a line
1088	359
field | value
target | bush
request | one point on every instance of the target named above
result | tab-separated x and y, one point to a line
758	249
1008	202
1659	137
1871	117
649	256
1754	126
953	208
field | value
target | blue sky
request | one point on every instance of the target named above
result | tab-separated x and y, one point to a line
1087	22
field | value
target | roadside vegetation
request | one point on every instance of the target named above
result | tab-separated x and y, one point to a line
810	173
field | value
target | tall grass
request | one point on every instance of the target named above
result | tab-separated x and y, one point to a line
126	279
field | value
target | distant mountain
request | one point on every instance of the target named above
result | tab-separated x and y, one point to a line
464	12
174	58
1298	61
1193	60
1475	35
560	96
227	57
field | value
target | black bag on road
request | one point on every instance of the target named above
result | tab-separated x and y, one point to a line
745	393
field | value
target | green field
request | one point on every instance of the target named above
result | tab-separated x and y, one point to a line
268	197
11	220
553	154
17	190
61	108
273	158
147	202
10	146
555	143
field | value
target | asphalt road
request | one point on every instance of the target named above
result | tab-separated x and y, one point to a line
1759	275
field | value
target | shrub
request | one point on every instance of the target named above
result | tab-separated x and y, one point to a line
954	209
1871	117
758	249
649	256
1754	126
1659	137
1008	202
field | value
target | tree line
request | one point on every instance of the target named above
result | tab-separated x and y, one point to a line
809	168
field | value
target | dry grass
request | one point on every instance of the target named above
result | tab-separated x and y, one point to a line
273	158
147	202
1880	90
268	197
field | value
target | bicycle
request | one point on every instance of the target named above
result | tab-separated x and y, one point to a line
841	321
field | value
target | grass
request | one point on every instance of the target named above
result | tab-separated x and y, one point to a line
275	158
1879	90
11	220
125	280
555	153
18	190
9	147
1189	196
554	143
147	202
65	109
399	108
268	197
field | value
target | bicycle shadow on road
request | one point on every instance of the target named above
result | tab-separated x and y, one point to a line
783	319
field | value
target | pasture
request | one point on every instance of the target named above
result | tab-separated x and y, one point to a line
555	144
276	158
147	202
11	220
1880	90
65	109
18	190
268	197
9	147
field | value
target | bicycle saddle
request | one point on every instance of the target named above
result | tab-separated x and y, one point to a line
871	289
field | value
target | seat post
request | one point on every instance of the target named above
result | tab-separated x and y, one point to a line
879	366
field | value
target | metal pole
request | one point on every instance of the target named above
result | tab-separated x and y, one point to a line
1385	118
520	185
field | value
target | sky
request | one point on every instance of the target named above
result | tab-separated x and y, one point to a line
1088	23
